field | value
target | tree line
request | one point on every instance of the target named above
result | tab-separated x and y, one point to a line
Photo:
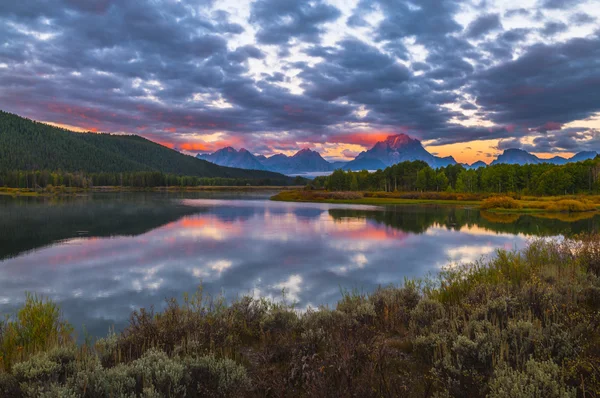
41	179
534	179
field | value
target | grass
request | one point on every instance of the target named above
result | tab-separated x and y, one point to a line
515	325
367	198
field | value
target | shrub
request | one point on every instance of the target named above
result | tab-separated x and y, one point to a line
426	313
107	349
521	338
500	202
571	205
429	348
92	380
38	369
208	376
9	386
155	370
538	380
37	326
393	306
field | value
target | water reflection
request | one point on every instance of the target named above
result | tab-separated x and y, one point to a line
137	250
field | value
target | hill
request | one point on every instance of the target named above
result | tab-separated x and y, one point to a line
30	145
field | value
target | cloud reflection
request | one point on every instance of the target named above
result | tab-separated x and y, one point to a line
242	247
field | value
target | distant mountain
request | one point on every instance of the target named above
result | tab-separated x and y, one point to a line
29	145
338	165
584	155
476	165
519	156
396	149
231	158
516	156
303	161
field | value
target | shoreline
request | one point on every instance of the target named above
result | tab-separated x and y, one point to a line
64	191
530	205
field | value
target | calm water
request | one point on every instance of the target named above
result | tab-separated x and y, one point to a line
104	255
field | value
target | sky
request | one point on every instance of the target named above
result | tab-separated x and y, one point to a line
469	78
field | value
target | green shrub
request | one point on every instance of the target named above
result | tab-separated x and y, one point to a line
38	369
538	380
430	348
426	314
208	376
37	326
521	338
157	371
92	380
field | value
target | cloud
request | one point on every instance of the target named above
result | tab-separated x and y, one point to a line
281	21
483	25
276	75
570	140
559	4
548	83
553	27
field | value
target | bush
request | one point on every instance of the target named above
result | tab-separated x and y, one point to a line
92	380
208	376
9	386
571	206
155	370
500	202
538	380
426	314
37	326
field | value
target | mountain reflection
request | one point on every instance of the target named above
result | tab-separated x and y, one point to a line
140	249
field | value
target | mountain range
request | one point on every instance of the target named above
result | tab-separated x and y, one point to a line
304	161
519	156
29	145
394	149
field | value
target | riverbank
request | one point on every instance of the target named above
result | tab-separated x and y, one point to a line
518	322
66	191
525	204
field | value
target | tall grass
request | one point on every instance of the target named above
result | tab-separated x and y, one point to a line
521	324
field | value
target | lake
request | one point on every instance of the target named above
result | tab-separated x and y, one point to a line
103	255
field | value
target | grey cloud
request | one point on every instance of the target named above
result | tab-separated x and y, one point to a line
281	21
548	83
559	4
553	27
483	24
582	18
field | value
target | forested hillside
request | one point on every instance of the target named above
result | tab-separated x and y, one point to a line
29	145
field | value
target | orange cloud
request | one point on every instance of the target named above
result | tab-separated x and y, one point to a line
194	146
364	139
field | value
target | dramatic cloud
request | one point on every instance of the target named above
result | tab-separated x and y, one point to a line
274	75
